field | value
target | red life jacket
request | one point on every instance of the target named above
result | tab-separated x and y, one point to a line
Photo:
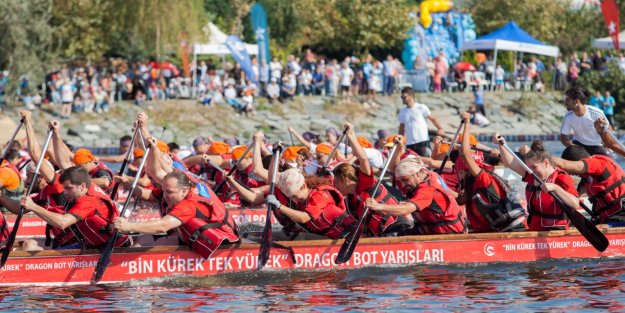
289	227
607	190
502	214
378	222
335	221
101	166
542	205
211	225
62	237
438	218
95	230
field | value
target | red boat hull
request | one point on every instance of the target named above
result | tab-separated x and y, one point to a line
66	268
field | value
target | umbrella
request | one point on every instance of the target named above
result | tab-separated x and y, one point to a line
465	66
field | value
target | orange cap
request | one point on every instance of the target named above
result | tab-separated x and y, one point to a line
390	140
472	140
138	153
364	142
443	148
292	152
218	148
323	148
238	152
161	145
82	156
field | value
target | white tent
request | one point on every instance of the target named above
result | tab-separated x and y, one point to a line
606	42
216	45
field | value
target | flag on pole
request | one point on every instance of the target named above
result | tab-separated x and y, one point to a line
610	16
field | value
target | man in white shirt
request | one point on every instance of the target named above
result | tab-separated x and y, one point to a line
413	124
580	120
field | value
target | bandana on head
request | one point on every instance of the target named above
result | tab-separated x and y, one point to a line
290	181
409	166
478	157
82	156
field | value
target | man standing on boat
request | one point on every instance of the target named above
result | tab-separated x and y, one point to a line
89	214
580	120
413	123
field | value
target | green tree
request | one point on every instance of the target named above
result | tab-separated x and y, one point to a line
612	80
27	45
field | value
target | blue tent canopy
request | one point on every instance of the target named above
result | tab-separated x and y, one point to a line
511	37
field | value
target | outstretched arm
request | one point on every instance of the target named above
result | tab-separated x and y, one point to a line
259	170
62	154
357	150
474	169
34	149
507	158
299	137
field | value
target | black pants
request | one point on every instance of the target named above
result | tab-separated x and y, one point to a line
421	148
592	150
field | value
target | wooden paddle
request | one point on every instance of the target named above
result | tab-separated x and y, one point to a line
16	226
451	147
234	168
265	241
584	226
105	257
126	160
349	245
17	129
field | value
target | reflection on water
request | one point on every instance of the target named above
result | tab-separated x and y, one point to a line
541	286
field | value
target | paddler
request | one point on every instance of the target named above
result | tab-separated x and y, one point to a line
491	204
433	208
545	213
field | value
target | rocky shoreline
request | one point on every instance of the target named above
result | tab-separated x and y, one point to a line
510	113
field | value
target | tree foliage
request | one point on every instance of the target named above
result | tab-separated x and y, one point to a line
27	37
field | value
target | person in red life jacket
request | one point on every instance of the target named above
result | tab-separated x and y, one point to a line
295	157
357	183
316	206
200	147
545	213
89	213
491	204
198	216
433	207
602	179
101	175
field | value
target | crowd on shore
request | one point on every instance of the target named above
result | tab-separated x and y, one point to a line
323	185
95	87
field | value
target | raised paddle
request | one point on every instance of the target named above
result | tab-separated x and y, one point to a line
349	245
17	129
265	239
234	167
453	144
105	257
126	160
33	181
584	226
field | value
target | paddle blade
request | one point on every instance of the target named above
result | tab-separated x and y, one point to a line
350	243
11	240
596	238
265	242
104	260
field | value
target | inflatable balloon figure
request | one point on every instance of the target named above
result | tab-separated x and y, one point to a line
439	29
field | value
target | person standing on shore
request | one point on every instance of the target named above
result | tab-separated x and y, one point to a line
608	107
580	120
413	124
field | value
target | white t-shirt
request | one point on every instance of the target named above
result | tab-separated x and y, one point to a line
582	127
346	76
415	123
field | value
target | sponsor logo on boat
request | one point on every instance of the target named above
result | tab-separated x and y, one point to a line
489	249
